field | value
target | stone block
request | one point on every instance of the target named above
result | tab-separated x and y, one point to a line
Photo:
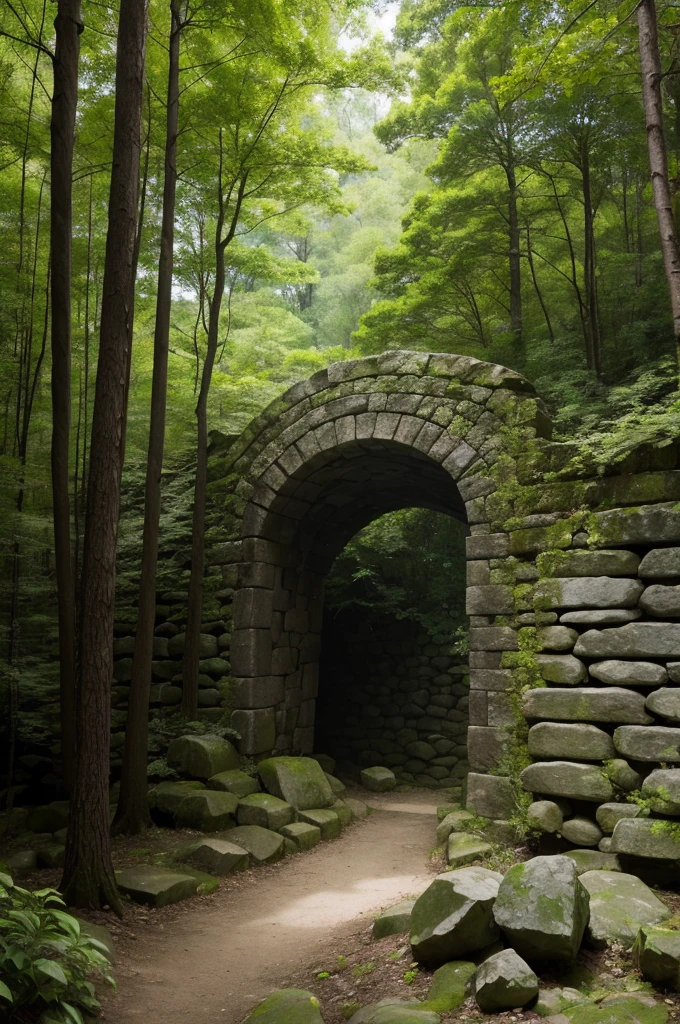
326	820
378	779
663	786
304	835
634	640
563	669
155	886
588	592
490	796
454	916
492	679
262	692
556	638
251	652
207	649
202	756
582	742
216	856
489	600
265	810
493	638
601	616
628	673
486	747
490	545
234	781
620	905
642	837
207	811
464	848
643	525
394	920
648	742
300	781
264	846
656	954
665	702
608	814
586	704
257	729
252	608
545	815
500	711
581	831
504	982
287	1006
568	779
660	563
661	602
597	563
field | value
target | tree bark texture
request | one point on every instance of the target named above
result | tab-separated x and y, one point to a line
650	67
514	255
68	25
593	344
132	815
89	880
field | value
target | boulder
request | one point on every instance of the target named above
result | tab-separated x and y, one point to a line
304	836
567	778
586	704
504	982
454	916
543	909
608	814
545	815
628	673
208	646
556	638
627	1009
648	742
234	781
665	702
357	807
660	563
50	818
300	781
579	741
287	1006
490	796
623	776
155	886
216	856
338	787
661	602
378	779
326	761
597	563
395	1011
21	863
634	640
656	954
449	986
325	820
165	798
264	847
265	810
601	617
564	669
588	592
593	860
641	837
581	832
202	756
453	822
464	848
394	920
207	811
52	856
663	785
620	905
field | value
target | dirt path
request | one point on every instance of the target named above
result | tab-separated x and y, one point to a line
213	964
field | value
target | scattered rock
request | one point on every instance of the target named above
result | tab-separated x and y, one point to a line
207	811
464	848
378	779
265	810
662	602
629	1010
155	887
641	837
656	954
628	673
287	1006
49	818
660	563
304	836
300	781
586	704
648	742
543	909
665	702
216	856
22	863
504	982
264	847
453	822
567	778
578	741
234	781
593	860
619	905
449	986
325	820
545	815
394	920
454	916
663	784
202	756
326	761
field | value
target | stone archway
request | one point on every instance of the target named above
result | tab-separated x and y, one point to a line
336	451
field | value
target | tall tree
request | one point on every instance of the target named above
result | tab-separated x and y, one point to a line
88	873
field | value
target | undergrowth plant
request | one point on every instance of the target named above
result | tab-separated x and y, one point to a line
48	967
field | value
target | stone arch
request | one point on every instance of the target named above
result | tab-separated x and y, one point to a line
336	451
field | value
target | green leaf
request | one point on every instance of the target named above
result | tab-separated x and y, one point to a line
51	969
5	992
6	880
72	1012
68	923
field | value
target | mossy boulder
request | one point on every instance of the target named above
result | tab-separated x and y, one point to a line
465	848
656	954
288	1006
165	798
234	781
545	815
543	909
302	834
338	787
264	846
627	1010
216	856
378	779
156	886
50	818
202	757
300	781
642	837
567	779
394	920
453	822
454	916
266	810
504	982
593	860
325	820
394	1010
207	811
358	808
343	812
450	986
620	905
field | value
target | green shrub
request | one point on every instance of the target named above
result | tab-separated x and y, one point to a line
47	966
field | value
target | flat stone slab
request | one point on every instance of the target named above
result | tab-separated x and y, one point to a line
464	848
167	796
207	811
504	982
543	909
325	820
588	592
642	837
665	702
378	779
454	916
155	887
304	835
265	810
300	781
663	785
216	856
601	616
628	673
264	847
607	815
579	741
660	563
648	742
202	756
587	704
597	563
287	1006
394	920
234	781
593	860
620	905
634	640
656	954
568	779
628	1009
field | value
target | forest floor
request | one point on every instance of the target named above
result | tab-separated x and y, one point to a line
214	958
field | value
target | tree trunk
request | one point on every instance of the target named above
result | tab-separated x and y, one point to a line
539	294
593	347
132	815
88	873
514	257
650	66
68	25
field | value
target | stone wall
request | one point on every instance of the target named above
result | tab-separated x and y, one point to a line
389	696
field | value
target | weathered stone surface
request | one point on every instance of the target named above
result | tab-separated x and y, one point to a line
234	781
394	1010
542	909
304	835
579	741
489	600
597	563
394	920
656	954
601	616
202	756
628	673
490	796
454	915
545	815
623	776
207	811
338	787
661	602
464	848
648	742
634	640
325	820
641	525
581	832
673	669
608	814
665	702
449	986
216	856
564	669
504	982
618	1008
343	812
155	887
619	905
660	563
588	592
257	730
358	808
49	818
166	797
265	810
287	1006
453	822
556	638
208	646
566	778
663	785
593	860
586	704
264	847
22	862
300	781
378	779
642	837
